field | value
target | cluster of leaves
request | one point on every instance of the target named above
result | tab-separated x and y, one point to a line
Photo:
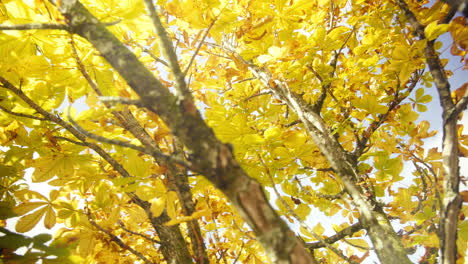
125	185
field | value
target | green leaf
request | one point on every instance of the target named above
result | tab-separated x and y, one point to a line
41	238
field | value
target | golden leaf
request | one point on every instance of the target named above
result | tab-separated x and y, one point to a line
28	222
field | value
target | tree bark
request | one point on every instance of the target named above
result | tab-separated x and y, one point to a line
209	156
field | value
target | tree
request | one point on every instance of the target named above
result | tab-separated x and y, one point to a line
166	131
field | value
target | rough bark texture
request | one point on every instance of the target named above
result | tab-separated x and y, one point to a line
174	248
208	155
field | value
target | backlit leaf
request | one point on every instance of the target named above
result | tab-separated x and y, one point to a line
157	206
28	222
433	30
50	218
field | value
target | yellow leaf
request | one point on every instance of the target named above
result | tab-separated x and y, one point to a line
53	195
277	52
433	154
318	229
28	195
272	132
334	39
370	104
360	243
433	30
306	232
431	241
303	210
294	138
319	36
171	204
92	100
463	230
337	32
136	165
264	58
59	164
157	206
50	218
28	222
401	52
27	207
253	139
182	219
86	245
136	215
147	193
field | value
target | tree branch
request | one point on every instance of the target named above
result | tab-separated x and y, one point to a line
21	114
152	152
34	26
461	105
117	240
380	231
84	144
121	224
452	200
175	182
146	50
301	222
209	156
381	118
169	53
121	100
57	120
200	44
348	231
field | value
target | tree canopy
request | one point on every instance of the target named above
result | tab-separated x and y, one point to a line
217	131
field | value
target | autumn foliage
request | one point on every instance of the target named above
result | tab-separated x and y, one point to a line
215	131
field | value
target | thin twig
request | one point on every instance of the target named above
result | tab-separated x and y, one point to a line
292	213
169	52
21	114
121	224
255	95
59	121
121	100
348	231
200	44
217	55
156	58
239	254
381	118
153	152
34	26
82	68
461	105
72	141
117	240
